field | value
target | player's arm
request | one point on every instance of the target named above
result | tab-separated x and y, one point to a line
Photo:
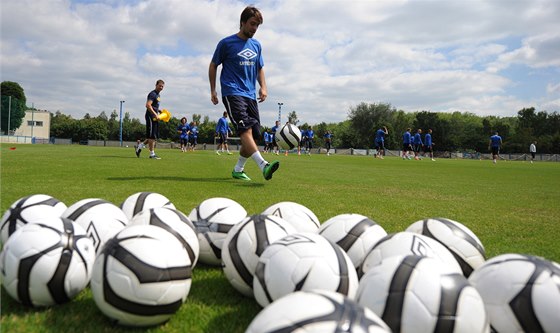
149	107
263	92
212	70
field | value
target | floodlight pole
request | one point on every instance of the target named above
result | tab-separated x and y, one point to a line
120	123
9	112
280	111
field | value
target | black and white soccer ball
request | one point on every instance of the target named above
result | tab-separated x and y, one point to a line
408	243
521	292
140	201
141	277
244	244
288	136
213	218
354	233
47	262
175	222
457	238
301	217
303	261
28	209
318	311
421	294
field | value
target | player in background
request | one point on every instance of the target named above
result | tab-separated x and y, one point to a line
242	67
310	135
152	121
275	128
184	129
222	131
380	141
303	141
494	145
533	150
406	139
428	144
328	141
418	145
193	137
266	140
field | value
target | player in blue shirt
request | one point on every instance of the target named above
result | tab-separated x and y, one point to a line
380	141
309	134
406	147
242	66
418	145
152	121
184	129
328	141
275	149
267	142
494	145
428	144
222	131
193	137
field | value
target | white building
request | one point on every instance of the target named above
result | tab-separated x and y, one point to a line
36	123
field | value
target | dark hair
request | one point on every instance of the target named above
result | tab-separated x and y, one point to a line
249	12
159	81
184	118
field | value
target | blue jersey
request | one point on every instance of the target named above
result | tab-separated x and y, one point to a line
267	137
380	135
495	141
328	136
154	97
428	139
417	139
241	62
194	131
406	138
184	128
310	133
222	126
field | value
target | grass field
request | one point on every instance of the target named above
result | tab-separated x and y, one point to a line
511	206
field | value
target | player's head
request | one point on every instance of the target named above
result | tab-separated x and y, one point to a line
159	85
225	114
430	130
408	129
249	21
184	120
419	130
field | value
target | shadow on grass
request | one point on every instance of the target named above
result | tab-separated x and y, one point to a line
189	179
117	156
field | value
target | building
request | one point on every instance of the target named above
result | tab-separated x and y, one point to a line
36	123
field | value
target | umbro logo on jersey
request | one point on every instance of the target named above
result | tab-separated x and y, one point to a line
247	54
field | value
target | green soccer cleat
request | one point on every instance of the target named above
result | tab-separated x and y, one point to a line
269	169
240	175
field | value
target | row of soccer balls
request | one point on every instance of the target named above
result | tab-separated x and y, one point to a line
271	255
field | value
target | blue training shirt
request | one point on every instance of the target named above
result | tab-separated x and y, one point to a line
241	62
495	140
222	126
380	135
406	138
417	139
184	130
428	139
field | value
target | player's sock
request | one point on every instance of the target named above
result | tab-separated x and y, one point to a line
240	164
257	157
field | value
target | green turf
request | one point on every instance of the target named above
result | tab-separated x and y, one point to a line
511	206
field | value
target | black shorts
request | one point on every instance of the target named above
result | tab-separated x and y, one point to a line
152	127
244	114
495	150
533	155
193	141
417	148
428	149
222	138
184	141
406	147
380	145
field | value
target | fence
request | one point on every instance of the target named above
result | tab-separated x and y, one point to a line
320	150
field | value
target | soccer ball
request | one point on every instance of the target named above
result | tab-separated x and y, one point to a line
318	311
213	218
243	245
457	238
174	222
421	294
354	233
288	136
301	217
408	243
47	262
303	261
140	201
521	292
101	228
141	277
29	209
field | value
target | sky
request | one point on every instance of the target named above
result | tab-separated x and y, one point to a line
322	57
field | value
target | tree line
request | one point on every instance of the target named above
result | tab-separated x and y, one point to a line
452	131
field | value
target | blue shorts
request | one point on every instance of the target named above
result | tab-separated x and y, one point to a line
380	145
243	113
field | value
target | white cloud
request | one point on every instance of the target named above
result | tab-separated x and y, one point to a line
321	57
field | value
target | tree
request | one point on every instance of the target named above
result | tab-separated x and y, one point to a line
14	107
365	119
292	118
